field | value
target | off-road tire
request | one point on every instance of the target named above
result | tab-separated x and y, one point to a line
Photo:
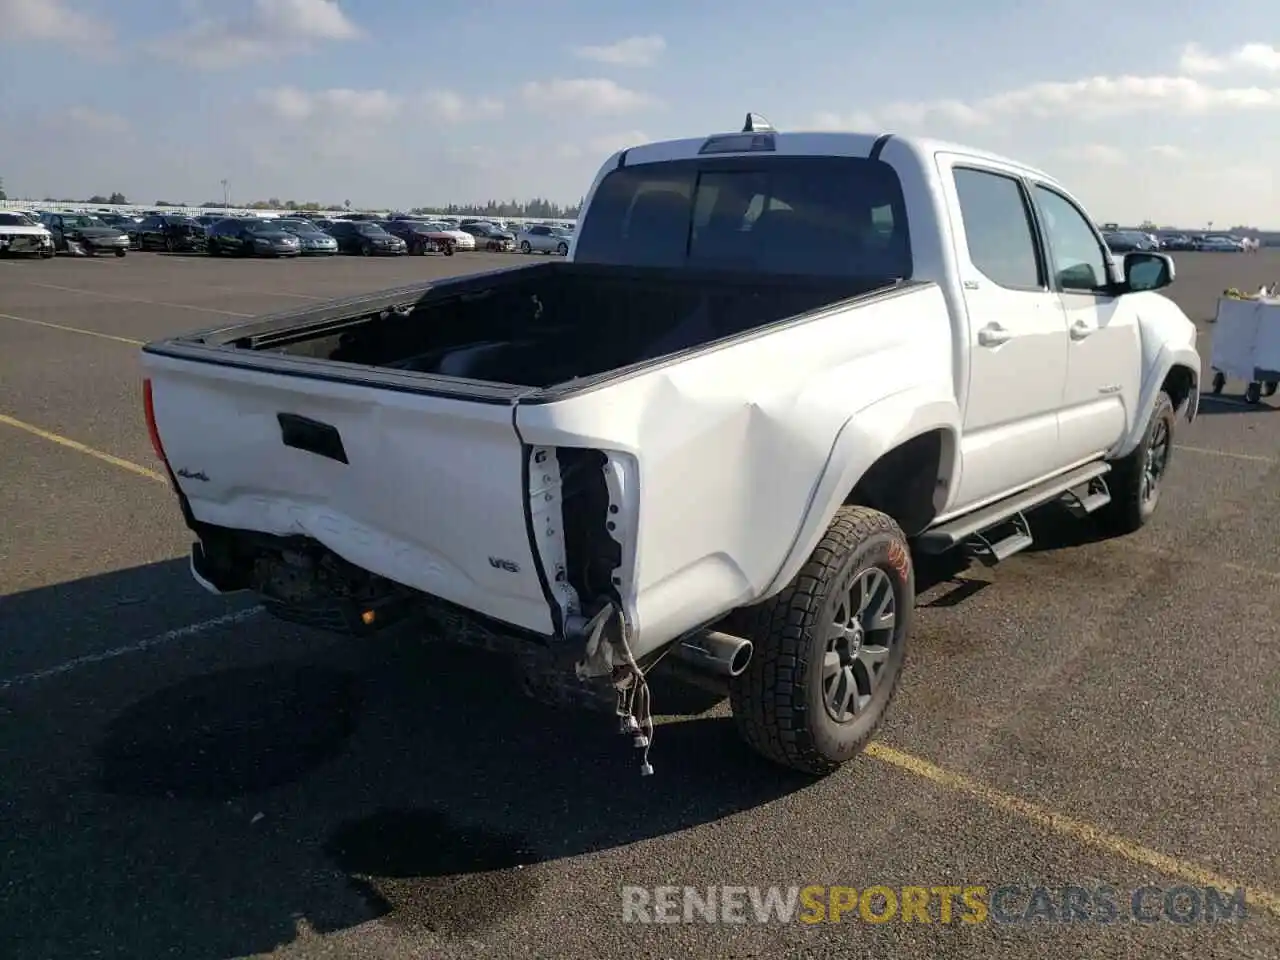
1128	510
778	702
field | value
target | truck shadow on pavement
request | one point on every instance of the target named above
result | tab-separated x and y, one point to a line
1216	406
419	782
157	807
220	795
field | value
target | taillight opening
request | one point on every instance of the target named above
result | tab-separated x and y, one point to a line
148	405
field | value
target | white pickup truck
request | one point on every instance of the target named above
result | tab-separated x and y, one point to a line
772	367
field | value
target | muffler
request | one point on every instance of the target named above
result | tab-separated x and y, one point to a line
718	653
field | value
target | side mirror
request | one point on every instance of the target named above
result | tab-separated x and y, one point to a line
1147	271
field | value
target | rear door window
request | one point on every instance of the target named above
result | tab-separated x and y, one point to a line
826	216
998	228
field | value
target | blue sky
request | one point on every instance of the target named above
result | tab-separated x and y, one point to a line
1144	110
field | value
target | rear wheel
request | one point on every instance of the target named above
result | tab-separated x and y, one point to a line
1253	393
563	249
448	248
1269	388
121	253
829	649
525	247
1219	381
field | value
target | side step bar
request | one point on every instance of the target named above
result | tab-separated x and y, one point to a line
973	526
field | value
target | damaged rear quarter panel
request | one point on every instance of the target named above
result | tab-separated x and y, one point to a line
731	445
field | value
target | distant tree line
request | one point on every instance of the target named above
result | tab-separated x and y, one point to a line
536	209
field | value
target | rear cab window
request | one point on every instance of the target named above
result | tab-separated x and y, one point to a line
823	216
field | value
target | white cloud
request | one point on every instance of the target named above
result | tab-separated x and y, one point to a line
452	107
610	143
1167	152
600	147
1262	57
25	20
272	28
631	52
1098	153
339	105
591	96
1091	98
98	121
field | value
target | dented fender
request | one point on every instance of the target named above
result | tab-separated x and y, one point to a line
865	437
717	456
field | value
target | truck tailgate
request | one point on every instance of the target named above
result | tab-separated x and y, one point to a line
424	490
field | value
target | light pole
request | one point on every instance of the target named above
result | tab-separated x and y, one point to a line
226	195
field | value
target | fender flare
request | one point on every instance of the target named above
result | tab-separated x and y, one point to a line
1166	360
863	439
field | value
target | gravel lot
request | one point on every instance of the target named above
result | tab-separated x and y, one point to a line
181	777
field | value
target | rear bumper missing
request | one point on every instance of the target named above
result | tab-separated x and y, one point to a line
323	611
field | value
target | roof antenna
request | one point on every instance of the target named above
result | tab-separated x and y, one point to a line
757	124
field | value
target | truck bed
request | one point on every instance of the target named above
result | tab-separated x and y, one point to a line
538	326
476	440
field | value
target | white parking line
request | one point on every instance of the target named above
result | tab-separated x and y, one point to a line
160	640
154	303
1230	455
65	329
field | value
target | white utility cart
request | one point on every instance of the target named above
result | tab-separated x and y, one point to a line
1246	345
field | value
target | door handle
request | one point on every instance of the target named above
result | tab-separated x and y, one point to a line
992	335
1080	330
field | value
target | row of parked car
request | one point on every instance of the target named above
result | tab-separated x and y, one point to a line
1124	241
360	234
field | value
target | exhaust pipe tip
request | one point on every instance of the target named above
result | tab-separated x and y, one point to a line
717	652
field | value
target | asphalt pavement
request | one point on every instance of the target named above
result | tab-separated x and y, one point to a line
181	776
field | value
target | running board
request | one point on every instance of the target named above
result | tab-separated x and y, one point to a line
962	529
1089	498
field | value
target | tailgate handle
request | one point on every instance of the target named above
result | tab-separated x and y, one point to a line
303	433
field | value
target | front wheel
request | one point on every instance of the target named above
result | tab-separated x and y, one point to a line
1135	481
448	248
1219	381
563	249
525	247
829	649
121	253
1269	388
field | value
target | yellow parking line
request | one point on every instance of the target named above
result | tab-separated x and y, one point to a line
82	448
1077	830
66	329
